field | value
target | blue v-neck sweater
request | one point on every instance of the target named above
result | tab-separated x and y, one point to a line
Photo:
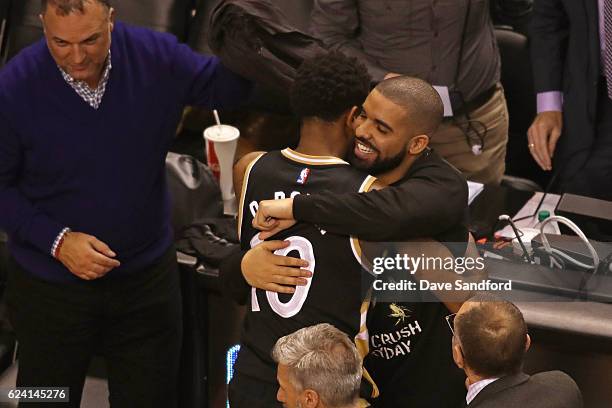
100	172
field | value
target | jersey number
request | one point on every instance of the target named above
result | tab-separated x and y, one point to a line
294	305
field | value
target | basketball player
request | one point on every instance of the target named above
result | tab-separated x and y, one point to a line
325	90
408	345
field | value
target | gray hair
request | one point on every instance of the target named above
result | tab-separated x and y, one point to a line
65	7
323	359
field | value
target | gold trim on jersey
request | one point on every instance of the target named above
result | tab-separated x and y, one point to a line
367	184
362	339
245	183
365	187
362	342
312	160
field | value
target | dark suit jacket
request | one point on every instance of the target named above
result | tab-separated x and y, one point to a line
550	389
565	56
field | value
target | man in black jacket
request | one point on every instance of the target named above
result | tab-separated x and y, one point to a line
422	197
322	96
426	197
571	46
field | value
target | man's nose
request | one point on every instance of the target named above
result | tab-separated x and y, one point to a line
364	130
78	54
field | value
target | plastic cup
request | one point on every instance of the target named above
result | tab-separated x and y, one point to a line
221	141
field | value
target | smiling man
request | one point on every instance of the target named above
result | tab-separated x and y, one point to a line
80	46
324	92
428	197
86	118
425	197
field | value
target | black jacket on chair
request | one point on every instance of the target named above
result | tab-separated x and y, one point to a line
550	389
565	55
254	39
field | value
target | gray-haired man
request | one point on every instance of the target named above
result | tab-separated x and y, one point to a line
318	367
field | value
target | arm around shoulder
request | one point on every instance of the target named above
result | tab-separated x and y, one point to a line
423	205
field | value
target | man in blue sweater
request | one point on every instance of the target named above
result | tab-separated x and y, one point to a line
86	119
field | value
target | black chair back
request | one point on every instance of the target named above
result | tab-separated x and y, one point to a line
297	12
4	10
23	27
262	98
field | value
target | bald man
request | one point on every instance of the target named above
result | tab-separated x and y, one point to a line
489	343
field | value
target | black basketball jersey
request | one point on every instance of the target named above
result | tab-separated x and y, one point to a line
333	293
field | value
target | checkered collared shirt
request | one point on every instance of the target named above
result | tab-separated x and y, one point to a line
93	97
474	389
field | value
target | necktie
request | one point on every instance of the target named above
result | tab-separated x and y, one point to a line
608	42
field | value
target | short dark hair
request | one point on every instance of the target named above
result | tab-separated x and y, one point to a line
492	335
418	98
66	7
328	85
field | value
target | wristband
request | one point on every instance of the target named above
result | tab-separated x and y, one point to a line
59	240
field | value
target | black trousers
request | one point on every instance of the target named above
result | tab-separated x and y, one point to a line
133	321
249	392
594	179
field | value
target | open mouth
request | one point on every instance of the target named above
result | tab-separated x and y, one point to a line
363	148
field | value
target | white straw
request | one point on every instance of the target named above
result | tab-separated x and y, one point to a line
217	117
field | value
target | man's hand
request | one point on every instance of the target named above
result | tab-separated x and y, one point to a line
86	256
543	135
263	269
273	216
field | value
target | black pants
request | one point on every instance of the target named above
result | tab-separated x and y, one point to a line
248	392
133	321
594	179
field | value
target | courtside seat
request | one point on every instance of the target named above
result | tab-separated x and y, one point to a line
4	10
23	27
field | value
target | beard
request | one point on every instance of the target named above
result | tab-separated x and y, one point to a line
379	166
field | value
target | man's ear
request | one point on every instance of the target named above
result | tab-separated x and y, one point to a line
527	342
42	21
458	355
418	144
352	116
111	17
310	398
